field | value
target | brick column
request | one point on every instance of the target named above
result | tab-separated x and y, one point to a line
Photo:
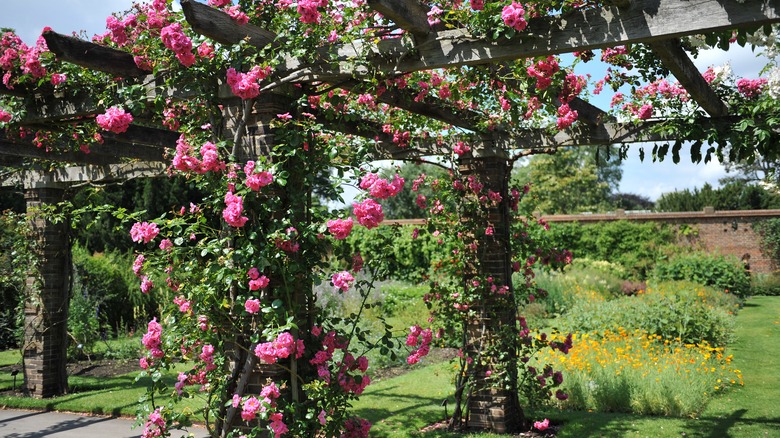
47	295
490	408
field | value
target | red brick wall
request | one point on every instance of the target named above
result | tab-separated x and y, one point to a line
719	232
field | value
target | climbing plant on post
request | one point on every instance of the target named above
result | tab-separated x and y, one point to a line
358	81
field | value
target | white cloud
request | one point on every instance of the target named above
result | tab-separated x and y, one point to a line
29	17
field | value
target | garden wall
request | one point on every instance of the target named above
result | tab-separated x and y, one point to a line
720	232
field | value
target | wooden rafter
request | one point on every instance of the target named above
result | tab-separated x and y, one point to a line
92	56
218	25
385	148
641	22
427	106
96	174
409	15
677	61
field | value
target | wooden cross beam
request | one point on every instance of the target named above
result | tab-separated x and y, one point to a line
94	174
642	21
90	55
409	15
677	61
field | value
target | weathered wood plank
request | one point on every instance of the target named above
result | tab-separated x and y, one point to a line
143	135
428	106
677	61
409	15
52	108
218	25
641	21
92	56
8	149
85	174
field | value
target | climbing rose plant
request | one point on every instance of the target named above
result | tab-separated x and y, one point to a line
236	269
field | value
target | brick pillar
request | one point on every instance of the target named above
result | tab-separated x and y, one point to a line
47	294
490	408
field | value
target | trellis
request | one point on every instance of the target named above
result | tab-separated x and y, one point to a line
141	150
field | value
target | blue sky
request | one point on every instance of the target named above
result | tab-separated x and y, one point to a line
649	179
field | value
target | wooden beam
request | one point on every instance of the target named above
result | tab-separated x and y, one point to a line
642	21
92	56
8	149
143	135
220	27
677	61
57	107
409	15
106	153
371	131
85	174
428	106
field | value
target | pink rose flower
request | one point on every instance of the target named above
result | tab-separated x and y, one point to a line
115	119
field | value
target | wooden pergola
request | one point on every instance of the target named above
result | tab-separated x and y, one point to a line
140	152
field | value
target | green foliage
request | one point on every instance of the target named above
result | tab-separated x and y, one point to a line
105	282
572	180
409	258
680	311
83	326
16	258
155	196
735	195
769	230
765	284
724	273
583	279
633	245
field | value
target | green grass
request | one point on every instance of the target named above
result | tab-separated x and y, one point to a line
399	407
116	396
407	402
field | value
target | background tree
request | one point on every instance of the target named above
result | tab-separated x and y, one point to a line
735	195
631	201
572	180
404	205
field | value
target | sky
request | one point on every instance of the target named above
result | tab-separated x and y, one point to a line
649	179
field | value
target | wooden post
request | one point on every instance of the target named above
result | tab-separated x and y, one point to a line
47	295
256	138
490	408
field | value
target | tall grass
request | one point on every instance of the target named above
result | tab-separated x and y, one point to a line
632	371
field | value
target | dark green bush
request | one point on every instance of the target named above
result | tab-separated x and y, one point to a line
406	258
672	310
724	273
633	245
107	284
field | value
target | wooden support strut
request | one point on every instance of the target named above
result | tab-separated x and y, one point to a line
677	61
92	56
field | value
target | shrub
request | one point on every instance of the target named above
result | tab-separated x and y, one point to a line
107	283
676	311
765	284
725	273
633	245
584	279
